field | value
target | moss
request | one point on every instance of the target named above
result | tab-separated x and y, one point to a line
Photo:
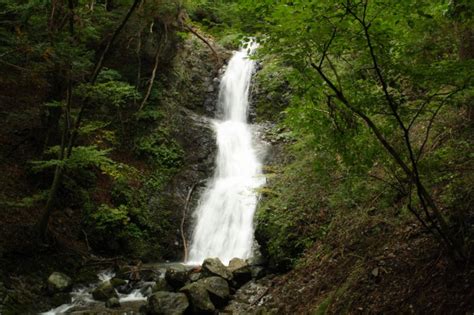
323	306
291	215
311	199
270	91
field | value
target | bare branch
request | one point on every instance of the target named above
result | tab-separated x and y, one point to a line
367	120
196	33
155	67
326	47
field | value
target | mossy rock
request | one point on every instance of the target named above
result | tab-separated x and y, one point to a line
214	267
104	292
59	282
199	297
167	303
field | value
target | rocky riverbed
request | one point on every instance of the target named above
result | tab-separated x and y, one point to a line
211	288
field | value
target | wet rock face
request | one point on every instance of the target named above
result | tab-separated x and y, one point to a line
167	303
192	88
218	290
196	137
59	282
214	267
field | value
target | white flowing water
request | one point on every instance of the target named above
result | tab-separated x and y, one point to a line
224	216
81	297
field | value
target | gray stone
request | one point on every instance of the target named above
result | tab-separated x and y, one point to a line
167	303
104	291
375	272
237	263
59	282
214	267
199	297
218	290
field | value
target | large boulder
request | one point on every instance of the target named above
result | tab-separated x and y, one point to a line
237	263
167	303
199	298
177	276
214	267
162	285
241	272
218	290
104	292
59	282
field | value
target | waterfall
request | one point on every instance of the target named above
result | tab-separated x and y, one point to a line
224	215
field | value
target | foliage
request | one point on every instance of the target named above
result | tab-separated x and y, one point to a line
106	217
369	82
220	18
271	92
83	157
307	199
160	149
109	91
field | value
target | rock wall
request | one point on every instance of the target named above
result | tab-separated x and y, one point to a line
198	87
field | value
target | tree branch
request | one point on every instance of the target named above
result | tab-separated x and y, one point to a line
155	67
193	31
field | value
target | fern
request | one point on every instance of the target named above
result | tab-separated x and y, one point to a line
85	157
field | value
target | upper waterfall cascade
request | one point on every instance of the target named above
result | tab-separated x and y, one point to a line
224	215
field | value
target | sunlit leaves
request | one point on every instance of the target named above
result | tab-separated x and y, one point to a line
83	157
